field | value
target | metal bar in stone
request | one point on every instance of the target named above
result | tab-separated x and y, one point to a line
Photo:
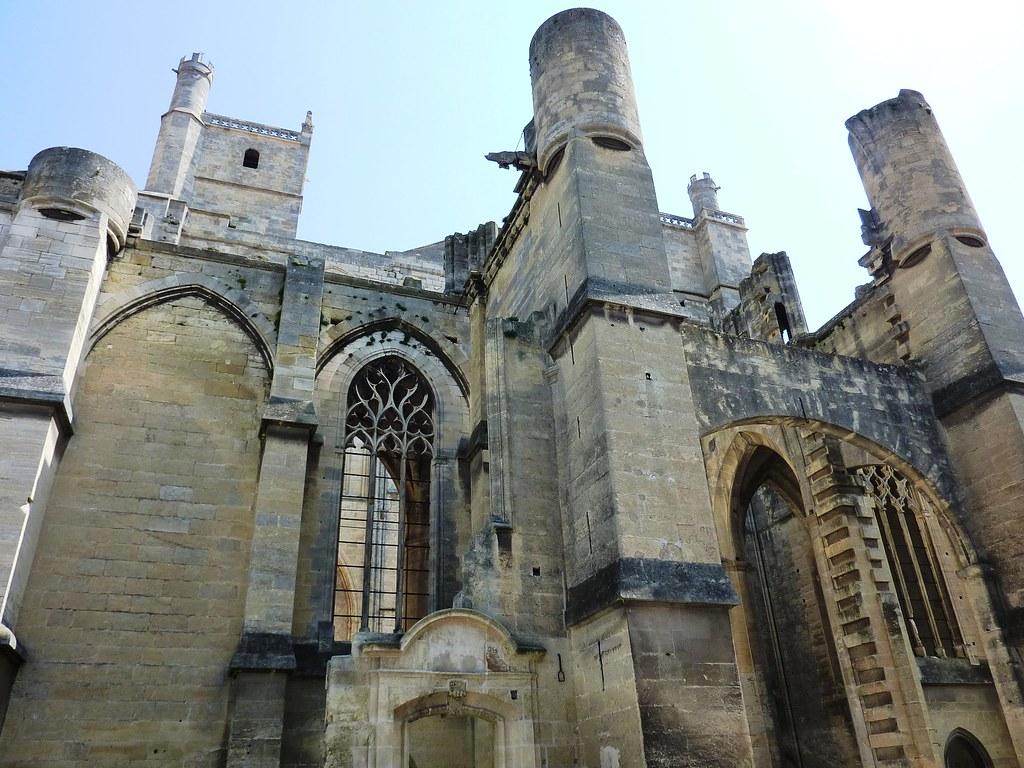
401	576
364	623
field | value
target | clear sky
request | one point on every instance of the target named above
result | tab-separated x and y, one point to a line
408	96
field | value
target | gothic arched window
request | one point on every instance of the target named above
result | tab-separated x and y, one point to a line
382	573
921	590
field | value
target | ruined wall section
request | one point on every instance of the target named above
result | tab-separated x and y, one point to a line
148	267
421	267
769	303
514	568
871	328
736	380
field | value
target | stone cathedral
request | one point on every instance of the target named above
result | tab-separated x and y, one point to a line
579	490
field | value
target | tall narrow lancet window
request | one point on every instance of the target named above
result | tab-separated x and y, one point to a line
919	585
384	512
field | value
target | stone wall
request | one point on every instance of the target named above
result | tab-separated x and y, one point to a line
134	605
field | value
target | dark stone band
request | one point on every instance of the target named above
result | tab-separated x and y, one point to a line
264	650
649	580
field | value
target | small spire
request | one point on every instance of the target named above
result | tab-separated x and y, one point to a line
307	125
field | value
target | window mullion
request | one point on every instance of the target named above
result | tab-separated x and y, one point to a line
901	514
959	648
400	562
371	494
894	568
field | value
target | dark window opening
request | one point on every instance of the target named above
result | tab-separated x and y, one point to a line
61	214
553	163
916	257
610	142
782	317
971	240
965	751
251	159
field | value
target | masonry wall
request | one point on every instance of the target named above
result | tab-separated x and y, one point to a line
266	199
684	261
976	709
803	695
134	604
870	328
609	725
991	460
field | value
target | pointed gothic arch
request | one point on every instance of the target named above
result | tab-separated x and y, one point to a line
794	685
337	338
964	750
117	307
826	458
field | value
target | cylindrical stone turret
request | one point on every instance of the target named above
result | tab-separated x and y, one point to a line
192	90
581	80
180	129
909	174
703	193
73	183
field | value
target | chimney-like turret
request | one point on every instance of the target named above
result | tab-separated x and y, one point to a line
180	129
581	81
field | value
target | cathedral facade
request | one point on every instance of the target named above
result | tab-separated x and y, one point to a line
268	502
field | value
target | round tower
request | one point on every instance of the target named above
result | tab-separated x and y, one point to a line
703	193
909	174
581	80
68	183
195	76
180	129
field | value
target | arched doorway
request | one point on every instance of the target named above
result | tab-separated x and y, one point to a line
965	751
805	708
450	741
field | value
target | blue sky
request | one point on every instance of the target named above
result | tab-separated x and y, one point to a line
408	96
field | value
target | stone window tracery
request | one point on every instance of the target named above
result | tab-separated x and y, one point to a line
384	511
923	597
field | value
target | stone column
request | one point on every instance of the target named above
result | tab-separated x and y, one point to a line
645	588
265	656
74	212
963	325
